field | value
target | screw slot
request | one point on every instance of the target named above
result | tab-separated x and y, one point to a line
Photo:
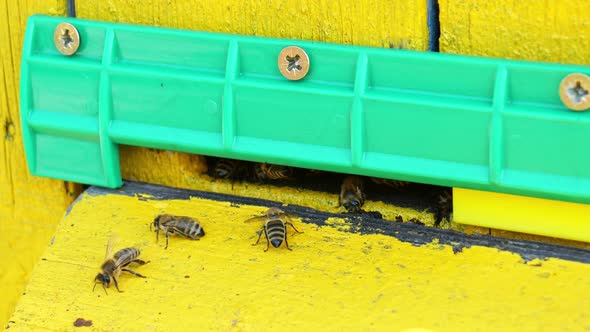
293	63
577	92
66	38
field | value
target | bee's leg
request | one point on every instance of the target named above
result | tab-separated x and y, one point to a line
259	235
286	241
167	232
157	234
139	261
105	289
295	229
267	240
133	272
116	285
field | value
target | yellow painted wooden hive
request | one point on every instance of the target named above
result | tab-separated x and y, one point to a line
359	278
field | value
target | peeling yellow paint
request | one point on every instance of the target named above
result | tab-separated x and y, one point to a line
26	217
332	280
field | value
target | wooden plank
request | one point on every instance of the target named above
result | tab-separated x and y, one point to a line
555	31
30	207
354	274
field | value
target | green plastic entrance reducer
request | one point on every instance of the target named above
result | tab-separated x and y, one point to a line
478	123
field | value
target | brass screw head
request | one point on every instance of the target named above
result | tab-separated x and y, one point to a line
66	38
574	91
293	63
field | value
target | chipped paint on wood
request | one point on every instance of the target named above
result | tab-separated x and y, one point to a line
333	279
30	207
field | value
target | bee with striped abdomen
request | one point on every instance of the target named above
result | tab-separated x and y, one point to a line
352	196
266	171
444	207
230	169
113	266
181	225
274	227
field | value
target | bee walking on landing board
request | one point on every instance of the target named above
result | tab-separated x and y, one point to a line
274	227
181	225
115	264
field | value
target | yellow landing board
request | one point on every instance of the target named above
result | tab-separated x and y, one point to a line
342	275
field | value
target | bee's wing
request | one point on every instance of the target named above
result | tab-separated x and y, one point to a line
140	245
254	219
113	241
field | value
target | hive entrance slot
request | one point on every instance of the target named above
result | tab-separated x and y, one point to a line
328	187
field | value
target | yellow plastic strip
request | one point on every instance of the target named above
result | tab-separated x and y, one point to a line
522	214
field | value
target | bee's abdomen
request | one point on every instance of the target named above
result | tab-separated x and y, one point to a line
390	183
126	255
188	228
275	231
225	168
279	172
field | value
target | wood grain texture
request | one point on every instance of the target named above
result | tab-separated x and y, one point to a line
379	23
555	31
334	279
30	207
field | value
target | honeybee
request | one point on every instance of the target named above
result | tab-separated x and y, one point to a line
113	266
444	207
352	196
274	227
266	171
230	169
395	184
181	225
